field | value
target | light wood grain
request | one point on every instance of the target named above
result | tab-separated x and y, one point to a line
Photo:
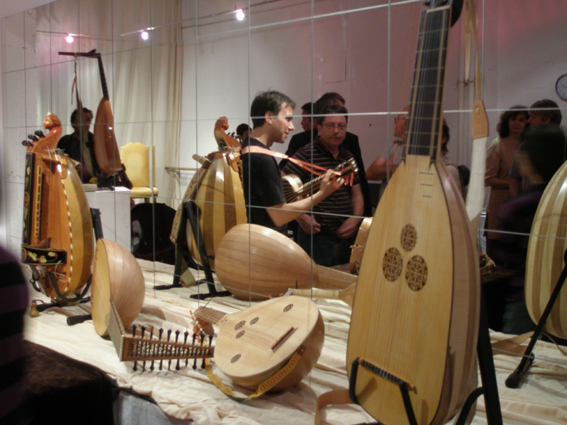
247	348
117	276
256	262
546	248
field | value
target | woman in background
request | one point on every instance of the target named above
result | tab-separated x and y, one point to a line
499	158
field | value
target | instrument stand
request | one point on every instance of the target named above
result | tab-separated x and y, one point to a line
487	373
513	381
190	212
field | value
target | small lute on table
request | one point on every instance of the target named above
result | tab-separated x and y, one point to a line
255	344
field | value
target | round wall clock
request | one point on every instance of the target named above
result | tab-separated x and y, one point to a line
561	87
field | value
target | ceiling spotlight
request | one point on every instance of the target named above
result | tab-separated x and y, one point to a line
240	14
144	35
69	38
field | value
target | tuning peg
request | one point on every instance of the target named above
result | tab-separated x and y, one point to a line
33	137
39	133
27	143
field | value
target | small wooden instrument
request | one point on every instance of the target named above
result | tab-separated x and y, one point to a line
358	248
546	248
224	141
152	345
414	323
295	190
58	237
220	198
117	276
256	262
253	345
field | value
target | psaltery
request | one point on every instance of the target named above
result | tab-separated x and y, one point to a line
58	239
152	345
414	325
256	262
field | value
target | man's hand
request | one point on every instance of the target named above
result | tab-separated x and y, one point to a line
348	228
309	224
330	183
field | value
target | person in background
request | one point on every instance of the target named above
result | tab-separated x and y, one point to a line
328	232
453	170
350	143
307	120
242	132
539	157
83	154
543	111
499	159
272	115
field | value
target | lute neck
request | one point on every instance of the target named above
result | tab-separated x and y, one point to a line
209	315
426	115
103	79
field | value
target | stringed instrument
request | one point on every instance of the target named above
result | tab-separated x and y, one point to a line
257	343
117	277
358	248
224	140
58	239
255	262
105	146
346	295
545	256
414	325
295	189
158	345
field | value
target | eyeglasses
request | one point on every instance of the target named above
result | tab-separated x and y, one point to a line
331	126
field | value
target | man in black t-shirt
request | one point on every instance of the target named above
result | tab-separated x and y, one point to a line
272	114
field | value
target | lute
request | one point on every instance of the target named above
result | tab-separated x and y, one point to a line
295	189
255	344
412	340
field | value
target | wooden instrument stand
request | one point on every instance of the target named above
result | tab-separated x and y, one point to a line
190	212
513	381
487	373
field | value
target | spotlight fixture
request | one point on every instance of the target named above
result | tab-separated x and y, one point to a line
144	35
69	39
240	14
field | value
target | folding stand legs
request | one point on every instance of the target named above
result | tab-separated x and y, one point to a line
515	377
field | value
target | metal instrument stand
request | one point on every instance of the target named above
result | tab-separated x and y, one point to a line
513	381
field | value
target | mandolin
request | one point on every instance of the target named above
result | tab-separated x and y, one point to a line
412	339
295	190
255	344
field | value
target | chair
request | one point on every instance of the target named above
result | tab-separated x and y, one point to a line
136	157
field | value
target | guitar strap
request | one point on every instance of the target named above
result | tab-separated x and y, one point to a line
265	386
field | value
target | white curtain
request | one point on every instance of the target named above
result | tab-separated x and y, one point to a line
143	77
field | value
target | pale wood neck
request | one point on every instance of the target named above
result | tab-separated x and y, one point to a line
334	279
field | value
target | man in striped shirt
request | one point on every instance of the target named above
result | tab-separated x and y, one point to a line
327	233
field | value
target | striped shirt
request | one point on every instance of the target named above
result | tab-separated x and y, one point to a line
330	212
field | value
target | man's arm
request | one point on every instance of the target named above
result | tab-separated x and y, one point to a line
284	213
350	225
378	170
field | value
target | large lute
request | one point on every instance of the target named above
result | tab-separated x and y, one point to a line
544	261
58	240
415	313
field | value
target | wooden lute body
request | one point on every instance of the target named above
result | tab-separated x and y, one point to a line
254	344
546	249
416	305
255	262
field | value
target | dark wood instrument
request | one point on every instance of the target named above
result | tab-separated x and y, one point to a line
106	149
294	189
58	239
255	344
414	326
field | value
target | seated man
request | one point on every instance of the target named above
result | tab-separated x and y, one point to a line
272	114
334	222
81	152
